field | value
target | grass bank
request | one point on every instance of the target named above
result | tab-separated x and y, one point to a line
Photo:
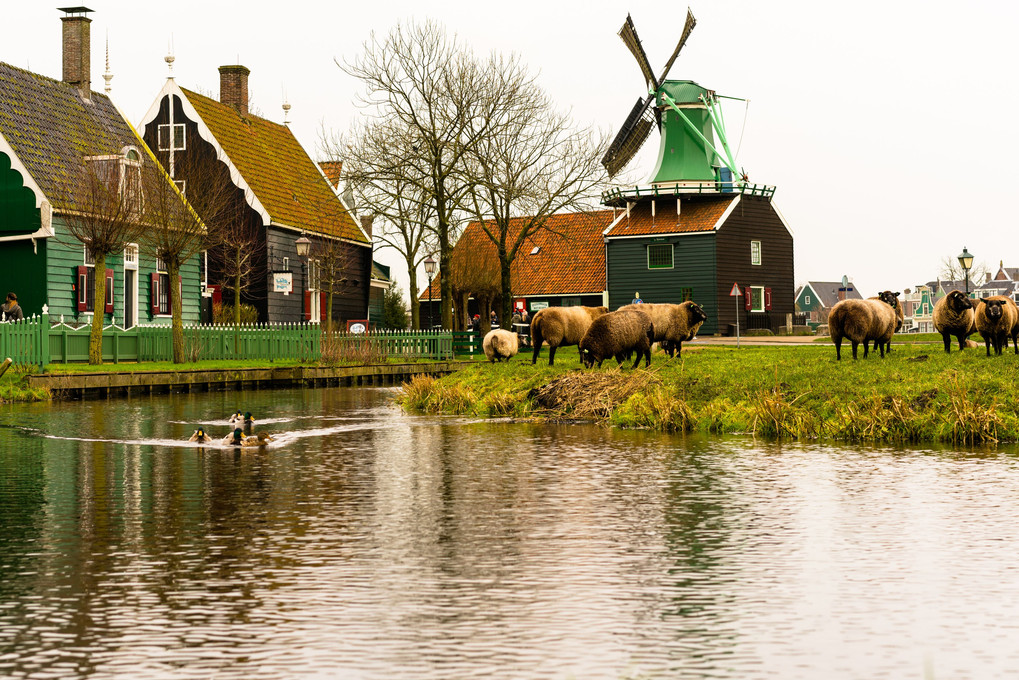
14	388
916	394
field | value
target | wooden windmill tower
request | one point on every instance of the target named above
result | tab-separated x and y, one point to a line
694	152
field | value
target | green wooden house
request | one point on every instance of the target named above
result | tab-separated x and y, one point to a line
48	130
816	298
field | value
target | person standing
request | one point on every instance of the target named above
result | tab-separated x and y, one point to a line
636	299
11	310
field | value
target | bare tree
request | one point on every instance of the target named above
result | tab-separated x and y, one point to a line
336	263
177	232
951	270
474	272
401	210
108	196
419	80
532	164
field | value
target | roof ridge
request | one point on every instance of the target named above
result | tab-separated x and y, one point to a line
54	81
227	107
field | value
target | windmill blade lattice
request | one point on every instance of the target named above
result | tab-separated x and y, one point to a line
687	29
631	135
629	35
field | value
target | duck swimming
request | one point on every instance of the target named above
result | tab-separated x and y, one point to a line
235	438
235	418
260	439
200	436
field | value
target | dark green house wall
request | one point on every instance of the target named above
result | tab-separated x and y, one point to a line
694	267
755	219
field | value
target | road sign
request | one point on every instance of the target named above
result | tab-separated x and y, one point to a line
735	291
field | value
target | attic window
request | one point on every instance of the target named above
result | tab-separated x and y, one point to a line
659	256
535	250
122	171
176	142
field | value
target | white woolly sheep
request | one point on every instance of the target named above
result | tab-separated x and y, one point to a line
500	344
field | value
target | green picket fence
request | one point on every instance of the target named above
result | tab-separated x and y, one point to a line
38	341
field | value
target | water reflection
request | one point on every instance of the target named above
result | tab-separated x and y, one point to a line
372	544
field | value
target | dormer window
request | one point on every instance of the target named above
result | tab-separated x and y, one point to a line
123	171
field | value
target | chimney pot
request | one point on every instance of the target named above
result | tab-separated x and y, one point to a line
233	87
366	224
77	52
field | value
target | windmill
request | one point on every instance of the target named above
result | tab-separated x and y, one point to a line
687	116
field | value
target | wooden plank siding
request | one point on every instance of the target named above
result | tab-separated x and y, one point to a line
754	219
693	267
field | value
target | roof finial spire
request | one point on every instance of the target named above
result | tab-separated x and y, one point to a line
107	76
169	58
286	108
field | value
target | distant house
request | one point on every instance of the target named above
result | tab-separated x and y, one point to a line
816	298
695	246
1004	282
286	196
559	266
918	309
49	130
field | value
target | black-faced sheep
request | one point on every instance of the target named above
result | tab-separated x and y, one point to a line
500	344
997	319
616	334
953	316
560	326
674	324
899	315
861	321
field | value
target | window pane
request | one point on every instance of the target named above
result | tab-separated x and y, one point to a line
178	137
687	294
755	252
659	256
164	293
756	299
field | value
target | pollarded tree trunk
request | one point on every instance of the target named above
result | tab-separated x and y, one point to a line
415	306
237	312
176	320
95	338
506	311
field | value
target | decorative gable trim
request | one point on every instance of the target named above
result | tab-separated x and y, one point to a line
728	211
171	88
41	202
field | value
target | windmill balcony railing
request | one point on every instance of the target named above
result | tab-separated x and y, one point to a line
621	196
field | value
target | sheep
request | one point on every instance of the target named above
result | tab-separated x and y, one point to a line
899	315
996	319
559	326
500	344
617	333
673	324
953	315
863	320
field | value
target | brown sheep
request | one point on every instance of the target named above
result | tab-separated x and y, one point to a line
560	326
899	316
861	321
615	335
997	319
674	324
500	344
953	315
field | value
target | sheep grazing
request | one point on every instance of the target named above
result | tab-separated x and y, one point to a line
953	316
500	344
861	321
674	324
617	334
559	326
997	319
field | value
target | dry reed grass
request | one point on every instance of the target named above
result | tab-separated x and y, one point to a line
591	394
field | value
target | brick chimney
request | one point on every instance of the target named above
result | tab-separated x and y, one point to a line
366	224
77	49
233	87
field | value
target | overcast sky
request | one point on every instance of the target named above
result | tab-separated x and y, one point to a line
886	126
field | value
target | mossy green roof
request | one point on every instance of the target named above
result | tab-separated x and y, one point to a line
282	176
51	129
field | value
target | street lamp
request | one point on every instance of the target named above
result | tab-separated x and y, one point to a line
966	262
303	246
429	270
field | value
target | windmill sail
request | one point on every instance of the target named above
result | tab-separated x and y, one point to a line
629	35
687	29
631	136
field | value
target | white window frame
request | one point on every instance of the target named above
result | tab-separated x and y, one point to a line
131	264
672	256
182	186
753	308
166	141
755	253
161	269
315	301
806	299
286	264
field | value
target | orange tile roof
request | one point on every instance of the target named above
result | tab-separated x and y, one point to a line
332	170
272	162
570	258
696	214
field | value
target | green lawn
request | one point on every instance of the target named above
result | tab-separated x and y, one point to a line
916	394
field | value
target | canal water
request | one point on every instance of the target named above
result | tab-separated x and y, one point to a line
368	543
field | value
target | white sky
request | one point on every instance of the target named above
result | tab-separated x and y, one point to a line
884	125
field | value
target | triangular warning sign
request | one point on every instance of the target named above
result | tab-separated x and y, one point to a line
735	291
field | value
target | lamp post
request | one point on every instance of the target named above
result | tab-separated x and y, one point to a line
966	262
303	245
429	270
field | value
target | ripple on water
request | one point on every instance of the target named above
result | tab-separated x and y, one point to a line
367	543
